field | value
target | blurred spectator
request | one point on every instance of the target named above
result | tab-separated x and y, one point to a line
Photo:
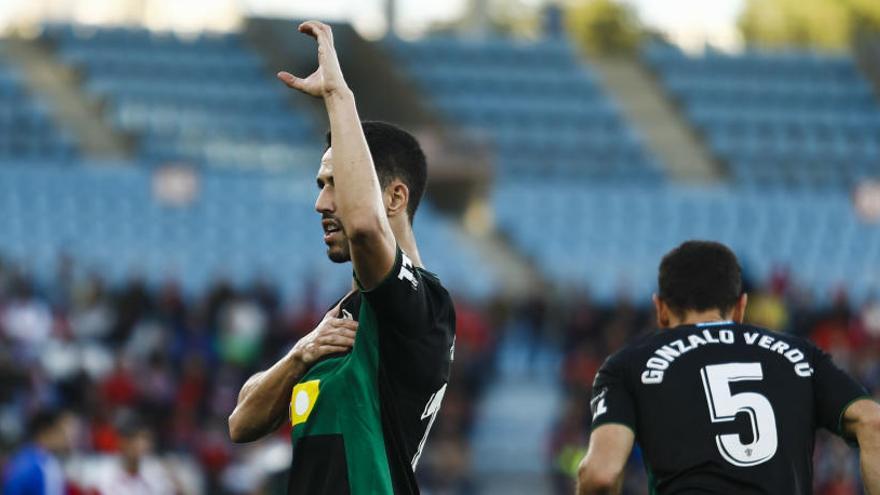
119	388
36	468
568	444
242	328
27	319
134	471
91	316
768	310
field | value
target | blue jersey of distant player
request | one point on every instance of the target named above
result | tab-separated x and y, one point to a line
33	471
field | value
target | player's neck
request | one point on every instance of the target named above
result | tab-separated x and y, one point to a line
406	239
407	242
698	317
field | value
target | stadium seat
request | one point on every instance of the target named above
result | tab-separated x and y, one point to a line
609	238
156	90
242	224
536	101
765	114
26	129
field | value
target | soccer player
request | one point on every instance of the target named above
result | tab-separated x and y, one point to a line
363	389
717	406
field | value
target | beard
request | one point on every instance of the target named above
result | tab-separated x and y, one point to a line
338	255
338	249
339	252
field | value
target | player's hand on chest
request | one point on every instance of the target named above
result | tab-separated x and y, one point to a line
334	334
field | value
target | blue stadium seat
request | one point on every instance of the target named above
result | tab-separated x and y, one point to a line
243	223
26	129
766	114
610	238
536	101
157	89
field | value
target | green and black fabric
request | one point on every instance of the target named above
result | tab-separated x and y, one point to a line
360	419
724	408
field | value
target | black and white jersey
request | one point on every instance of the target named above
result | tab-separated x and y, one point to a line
360	419
724	408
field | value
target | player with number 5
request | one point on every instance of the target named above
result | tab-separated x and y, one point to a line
363	389
716	406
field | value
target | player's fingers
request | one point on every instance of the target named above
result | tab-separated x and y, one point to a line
332	349
338	340
345	332
327	32
315	29
290	80
318	30
308	28
333	311
344	323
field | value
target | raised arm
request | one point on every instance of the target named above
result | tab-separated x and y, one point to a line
601	470
264	399
359	196
862	421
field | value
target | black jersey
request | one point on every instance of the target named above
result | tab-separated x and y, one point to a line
724	408
360	420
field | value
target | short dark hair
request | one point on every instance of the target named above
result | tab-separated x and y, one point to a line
700	275
129	424
396	155
43	421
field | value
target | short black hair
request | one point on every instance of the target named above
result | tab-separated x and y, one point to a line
396	155
43	421
129	424
700	275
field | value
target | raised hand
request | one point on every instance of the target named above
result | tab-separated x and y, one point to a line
331	336
327	78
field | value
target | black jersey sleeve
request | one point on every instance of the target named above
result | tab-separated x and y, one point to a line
402	300
613	401
416	321
834	390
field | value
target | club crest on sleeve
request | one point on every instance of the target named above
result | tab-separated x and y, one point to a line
302	401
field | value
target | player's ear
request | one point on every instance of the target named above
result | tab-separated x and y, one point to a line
396	198
662	312
739	311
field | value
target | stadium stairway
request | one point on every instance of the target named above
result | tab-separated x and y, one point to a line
867	53
69	107
519	276
648	110
514	420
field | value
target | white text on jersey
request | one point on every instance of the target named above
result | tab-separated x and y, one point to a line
663	357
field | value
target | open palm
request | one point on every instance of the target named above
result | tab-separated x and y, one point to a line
327	78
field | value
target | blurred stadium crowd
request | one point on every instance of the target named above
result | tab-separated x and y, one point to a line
174	364
111	353
230	278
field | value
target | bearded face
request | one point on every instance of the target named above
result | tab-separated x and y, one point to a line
334	235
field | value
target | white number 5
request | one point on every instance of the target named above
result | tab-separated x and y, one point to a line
724	406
